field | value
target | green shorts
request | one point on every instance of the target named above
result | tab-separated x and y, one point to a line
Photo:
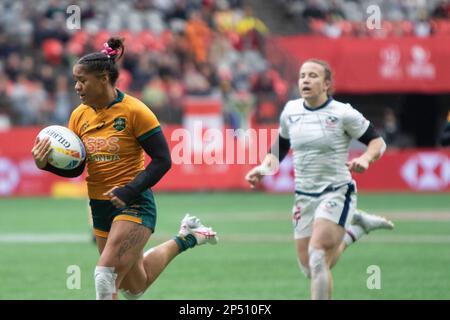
141	211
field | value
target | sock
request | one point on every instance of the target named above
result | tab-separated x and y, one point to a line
305	269
319	274
105	283
353	233
131	296
185	243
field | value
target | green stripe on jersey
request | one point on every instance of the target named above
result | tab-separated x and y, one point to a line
149	133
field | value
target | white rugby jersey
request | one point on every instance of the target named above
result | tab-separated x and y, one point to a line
320	139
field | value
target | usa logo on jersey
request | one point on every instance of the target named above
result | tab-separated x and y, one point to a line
331	121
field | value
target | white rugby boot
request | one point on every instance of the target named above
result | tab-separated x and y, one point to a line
192	225
370	222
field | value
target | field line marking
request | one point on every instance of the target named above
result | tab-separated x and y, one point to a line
44	238
52	238
285	216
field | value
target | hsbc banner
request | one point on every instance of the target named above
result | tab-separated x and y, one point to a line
221	166
18	173
365	65
204	159
408	170
397	171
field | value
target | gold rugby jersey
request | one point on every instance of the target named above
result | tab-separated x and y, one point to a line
111	137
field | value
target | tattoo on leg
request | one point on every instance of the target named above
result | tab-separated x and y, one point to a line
135	236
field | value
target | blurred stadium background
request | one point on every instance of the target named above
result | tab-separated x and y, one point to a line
231	64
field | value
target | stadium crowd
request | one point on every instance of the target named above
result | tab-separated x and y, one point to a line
337	18
175	48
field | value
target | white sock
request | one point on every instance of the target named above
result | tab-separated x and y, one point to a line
319	274
304	269
105	282
131	296
353	233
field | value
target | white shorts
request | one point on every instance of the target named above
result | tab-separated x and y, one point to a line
337	206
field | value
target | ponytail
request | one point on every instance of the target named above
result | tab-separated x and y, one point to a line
105	60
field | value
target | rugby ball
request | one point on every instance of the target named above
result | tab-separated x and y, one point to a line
67	149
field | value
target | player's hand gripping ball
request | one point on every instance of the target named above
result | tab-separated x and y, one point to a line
67	149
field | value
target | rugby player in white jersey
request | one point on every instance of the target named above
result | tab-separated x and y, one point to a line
319	130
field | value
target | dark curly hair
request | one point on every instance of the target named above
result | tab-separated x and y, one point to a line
105	62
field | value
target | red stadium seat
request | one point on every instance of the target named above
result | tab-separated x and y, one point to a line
124	80
359	29
150	41
127	35
407	27
147	38
387	27
346	27
52	49
136	47
267	110
316	26
81	37
77	43
446	27
100	38
75	47
166	37
440	27
385	31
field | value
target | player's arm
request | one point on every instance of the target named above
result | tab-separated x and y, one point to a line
73	173
280	148
156	147
271	161
375	149
275	155
40	152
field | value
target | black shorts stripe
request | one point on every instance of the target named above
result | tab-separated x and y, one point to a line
344	214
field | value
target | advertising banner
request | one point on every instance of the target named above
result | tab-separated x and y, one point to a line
221	166
366	65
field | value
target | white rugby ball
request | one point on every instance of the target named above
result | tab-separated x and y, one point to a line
67	149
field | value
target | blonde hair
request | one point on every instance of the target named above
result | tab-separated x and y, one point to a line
328	72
